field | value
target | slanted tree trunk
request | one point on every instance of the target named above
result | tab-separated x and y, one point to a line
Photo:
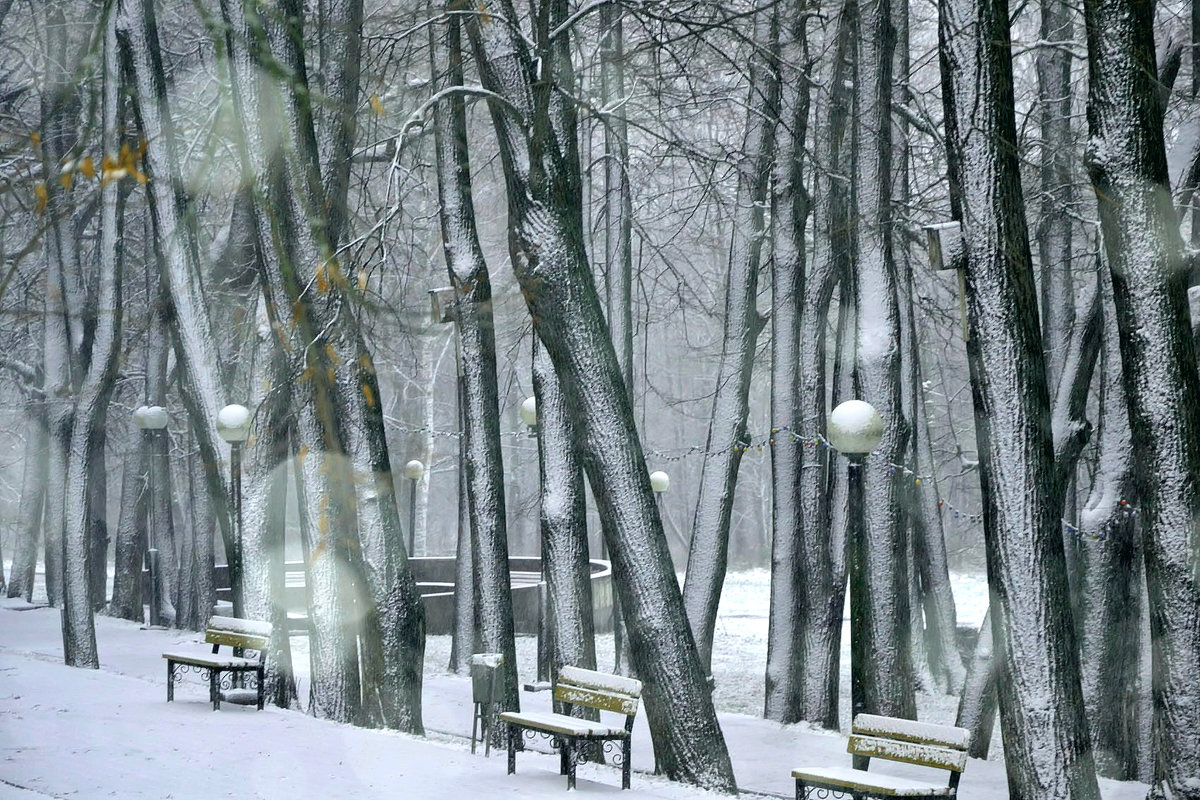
727	434
790	209
484	465
1128	167
977	703
1046	753
546	246
175	247
29	513
887	682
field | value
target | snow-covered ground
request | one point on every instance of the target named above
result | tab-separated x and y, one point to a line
81	733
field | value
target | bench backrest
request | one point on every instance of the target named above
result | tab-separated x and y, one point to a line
585	687
921	743
248	634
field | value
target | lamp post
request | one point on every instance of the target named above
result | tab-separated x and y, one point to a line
528	414
233	425
152	420
413	470
855	429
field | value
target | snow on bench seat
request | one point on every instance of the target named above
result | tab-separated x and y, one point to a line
874	782
600	680
560	723
212	661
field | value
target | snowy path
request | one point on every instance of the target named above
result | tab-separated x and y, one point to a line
79	733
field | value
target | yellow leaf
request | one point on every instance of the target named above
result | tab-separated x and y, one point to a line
322	281
36	138
301	453
362	280
483	14
43	197
139	176
87	167
368	394
367	366
332	354
377	104
306	376
65	179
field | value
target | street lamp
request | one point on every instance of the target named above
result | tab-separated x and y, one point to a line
529	415
233	425
152	420
855	429
413	470
660	482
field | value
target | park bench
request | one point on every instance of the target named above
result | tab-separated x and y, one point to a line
239	634
922	743
580	687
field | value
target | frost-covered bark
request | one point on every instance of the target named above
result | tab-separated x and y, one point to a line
1055	181
886	679
546	244
977	703
484	466
727	433
1112	581
1128	167
618	222
564	524
29	512
1047	753
790	210
362	590
175	244
264	511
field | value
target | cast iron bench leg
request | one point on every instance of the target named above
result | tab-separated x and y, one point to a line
562	755
512	749
170	680
213	691
261	686
570	748
626	765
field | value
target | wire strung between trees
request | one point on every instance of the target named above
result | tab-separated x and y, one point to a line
819	442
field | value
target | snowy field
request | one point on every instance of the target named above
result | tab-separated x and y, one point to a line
80	733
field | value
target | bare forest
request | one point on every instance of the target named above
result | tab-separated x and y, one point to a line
303	302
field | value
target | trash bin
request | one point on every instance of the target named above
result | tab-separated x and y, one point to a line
484	689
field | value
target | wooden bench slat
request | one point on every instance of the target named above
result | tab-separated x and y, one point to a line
923	755
212	661
244	641
595	698
911	730
873	782
591	679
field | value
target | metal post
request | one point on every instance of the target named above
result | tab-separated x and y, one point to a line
152	531
859	657
412	517
235	561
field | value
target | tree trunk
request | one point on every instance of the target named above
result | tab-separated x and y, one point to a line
484	466
29	513
784	698
564	525
887	681
1112	583
727	435
618	231
546	246
1128	167
977	704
